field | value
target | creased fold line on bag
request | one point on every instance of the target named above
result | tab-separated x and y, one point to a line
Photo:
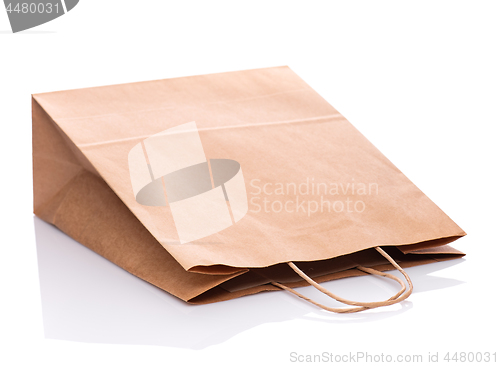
137	138
82	184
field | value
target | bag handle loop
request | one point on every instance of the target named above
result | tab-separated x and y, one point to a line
358	305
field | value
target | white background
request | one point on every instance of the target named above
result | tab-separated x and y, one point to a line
421	80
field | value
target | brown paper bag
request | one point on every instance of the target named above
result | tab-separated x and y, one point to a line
212	187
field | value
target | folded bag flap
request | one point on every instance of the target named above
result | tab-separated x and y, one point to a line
82	205
86	208
283	136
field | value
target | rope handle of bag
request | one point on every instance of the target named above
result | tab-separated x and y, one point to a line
357	305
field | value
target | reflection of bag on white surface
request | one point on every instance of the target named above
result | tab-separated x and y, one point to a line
214	210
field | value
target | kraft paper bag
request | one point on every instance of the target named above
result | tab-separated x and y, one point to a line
217	186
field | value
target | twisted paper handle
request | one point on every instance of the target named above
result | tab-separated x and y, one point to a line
358	305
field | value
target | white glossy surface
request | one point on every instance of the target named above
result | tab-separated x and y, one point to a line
86	298
419	81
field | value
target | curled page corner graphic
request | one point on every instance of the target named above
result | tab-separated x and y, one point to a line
26	14
205	196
